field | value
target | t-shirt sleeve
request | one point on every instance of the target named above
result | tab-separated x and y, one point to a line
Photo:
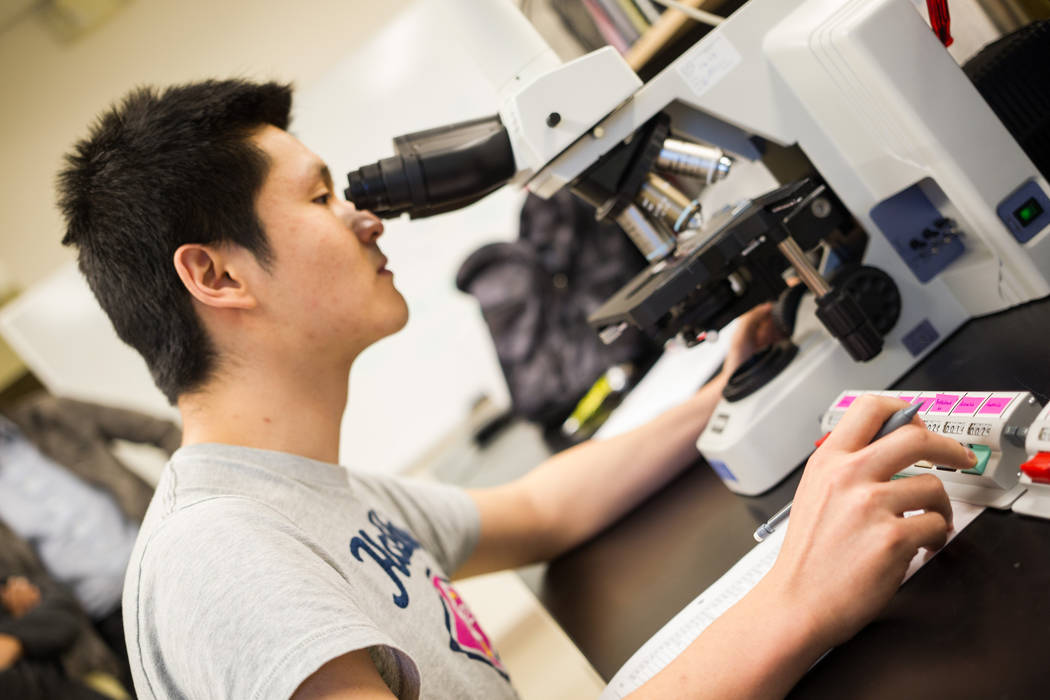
442	517
250	611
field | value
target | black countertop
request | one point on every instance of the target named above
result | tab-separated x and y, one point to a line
972	623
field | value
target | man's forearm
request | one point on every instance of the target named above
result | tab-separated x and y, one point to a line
579	492
575	494
758	649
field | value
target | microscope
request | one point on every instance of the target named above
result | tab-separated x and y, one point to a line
904	207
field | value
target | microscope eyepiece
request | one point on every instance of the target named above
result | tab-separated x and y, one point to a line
367	189
435	171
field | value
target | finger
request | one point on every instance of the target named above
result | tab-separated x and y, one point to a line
910	444
861	422
770	333
929	530
924	492
754	318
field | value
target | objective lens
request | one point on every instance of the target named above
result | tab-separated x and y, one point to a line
693	159
665	202
654	242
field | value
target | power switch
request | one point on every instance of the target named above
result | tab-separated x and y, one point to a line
1026	212
1038	468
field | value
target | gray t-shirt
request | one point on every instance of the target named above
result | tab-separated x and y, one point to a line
254	568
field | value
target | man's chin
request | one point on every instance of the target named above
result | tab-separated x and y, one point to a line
401	318
393	321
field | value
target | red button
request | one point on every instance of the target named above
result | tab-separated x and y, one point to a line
820	442
1038	468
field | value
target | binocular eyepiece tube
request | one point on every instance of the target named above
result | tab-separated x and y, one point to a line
436	170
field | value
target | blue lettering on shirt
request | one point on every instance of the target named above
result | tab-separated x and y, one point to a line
393	552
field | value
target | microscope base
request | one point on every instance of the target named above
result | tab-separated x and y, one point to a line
1035	501
983	496
755	442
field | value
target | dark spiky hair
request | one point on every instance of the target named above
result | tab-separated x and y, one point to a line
159	170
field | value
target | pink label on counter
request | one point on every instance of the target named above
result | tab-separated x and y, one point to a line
968	406
944	403
908	399
846	402
995	405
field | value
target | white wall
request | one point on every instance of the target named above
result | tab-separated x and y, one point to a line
410	390
51	91
366	71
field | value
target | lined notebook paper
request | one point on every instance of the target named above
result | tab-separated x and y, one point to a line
683	628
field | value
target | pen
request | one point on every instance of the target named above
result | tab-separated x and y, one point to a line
899	419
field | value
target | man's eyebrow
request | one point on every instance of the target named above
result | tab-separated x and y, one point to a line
326	175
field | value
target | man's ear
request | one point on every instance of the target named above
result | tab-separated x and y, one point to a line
212	275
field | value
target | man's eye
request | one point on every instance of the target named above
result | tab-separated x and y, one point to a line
323	199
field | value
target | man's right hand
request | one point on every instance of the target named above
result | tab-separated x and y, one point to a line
848	544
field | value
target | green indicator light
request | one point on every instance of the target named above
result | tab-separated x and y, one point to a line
1028	212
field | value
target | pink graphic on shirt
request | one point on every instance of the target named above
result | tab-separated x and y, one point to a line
465	633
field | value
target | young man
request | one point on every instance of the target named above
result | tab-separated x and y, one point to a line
216	244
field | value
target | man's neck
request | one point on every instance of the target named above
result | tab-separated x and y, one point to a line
297	413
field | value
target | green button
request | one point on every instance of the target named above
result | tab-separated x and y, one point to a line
983	452
1028	212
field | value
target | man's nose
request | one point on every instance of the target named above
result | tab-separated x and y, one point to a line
364	224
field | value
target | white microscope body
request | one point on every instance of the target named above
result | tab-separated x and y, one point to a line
889	121
899	133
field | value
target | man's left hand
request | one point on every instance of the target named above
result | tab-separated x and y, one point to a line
755	331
